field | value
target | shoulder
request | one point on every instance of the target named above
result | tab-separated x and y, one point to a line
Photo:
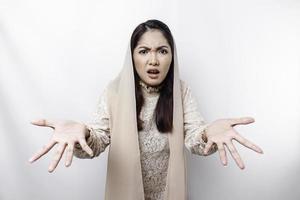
110	89
183	84
184	88
103	95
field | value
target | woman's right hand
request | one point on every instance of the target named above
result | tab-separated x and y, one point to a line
66	133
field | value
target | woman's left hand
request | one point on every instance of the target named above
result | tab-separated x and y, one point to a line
221	132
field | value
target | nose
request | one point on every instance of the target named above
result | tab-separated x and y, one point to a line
153	59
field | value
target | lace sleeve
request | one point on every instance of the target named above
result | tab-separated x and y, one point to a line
99	137
194	124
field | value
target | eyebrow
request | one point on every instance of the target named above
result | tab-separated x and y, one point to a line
160	47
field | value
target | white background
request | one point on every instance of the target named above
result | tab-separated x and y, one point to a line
241	58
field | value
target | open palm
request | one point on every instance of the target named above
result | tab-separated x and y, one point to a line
66	134
221	132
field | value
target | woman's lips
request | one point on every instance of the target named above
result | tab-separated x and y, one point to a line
153	76
153	71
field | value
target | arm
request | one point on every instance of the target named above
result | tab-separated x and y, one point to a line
206	139
98	137
194	124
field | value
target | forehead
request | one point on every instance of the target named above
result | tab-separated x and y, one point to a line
153	38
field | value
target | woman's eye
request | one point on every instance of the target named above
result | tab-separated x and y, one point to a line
142	51
164	51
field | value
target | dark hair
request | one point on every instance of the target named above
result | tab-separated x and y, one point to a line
164	108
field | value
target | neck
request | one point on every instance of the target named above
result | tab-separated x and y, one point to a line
149	88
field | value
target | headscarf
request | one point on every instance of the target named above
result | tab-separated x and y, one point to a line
124	174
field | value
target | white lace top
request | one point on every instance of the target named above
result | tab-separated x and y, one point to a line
154	145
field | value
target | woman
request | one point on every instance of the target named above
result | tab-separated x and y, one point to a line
147	115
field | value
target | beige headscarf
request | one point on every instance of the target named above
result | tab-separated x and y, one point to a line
124	176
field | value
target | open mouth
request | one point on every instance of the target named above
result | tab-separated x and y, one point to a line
153	71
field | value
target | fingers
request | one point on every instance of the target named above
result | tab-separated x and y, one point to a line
43	151
222	154
236	156
43	122
247	143
57	157
85	147
242	120
69	154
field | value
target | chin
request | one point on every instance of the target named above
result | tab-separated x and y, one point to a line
153	82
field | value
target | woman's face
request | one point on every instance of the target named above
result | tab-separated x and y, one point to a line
152	52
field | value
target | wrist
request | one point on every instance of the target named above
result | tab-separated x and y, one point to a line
87	132
204	135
